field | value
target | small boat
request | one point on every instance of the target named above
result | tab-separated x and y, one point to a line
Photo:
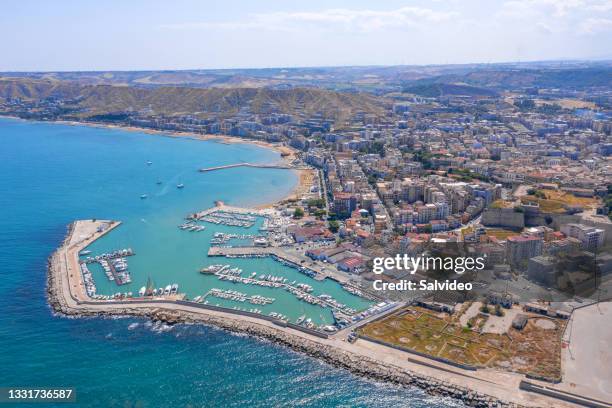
158	182
142	291
180	185
142	197
301	319
85	252
149	163
160	291
174	288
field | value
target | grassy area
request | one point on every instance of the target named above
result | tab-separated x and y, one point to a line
552	201
501	234
502	204
534	349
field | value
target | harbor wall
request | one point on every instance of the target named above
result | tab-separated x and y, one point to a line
565	396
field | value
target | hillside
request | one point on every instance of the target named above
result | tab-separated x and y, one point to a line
437	90
517	78
101	99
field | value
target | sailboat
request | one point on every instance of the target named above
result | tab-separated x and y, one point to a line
150	288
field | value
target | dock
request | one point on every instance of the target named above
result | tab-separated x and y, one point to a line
320	273
258	166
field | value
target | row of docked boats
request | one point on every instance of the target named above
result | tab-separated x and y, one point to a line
229	219
88	281
220	238
236	296
119	253
168	290
190	226
308	272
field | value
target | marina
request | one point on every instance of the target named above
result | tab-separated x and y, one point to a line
301	291
114	264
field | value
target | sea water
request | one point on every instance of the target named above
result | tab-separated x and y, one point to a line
52	174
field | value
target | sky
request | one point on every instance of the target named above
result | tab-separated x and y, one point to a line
63	35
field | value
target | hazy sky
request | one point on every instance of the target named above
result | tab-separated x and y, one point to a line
177	34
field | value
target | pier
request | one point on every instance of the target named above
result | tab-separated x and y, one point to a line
255	252
258	166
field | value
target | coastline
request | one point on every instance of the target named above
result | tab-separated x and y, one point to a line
67	297
288	154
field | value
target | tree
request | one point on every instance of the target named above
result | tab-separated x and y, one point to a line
498	310
334	226
320	213
298	213
316	202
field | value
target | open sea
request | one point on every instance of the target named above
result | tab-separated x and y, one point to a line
52	174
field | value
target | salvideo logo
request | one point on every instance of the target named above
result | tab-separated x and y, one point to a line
423	265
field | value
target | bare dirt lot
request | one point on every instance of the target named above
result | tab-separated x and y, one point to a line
587	352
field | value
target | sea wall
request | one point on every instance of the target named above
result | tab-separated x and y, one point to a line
356	364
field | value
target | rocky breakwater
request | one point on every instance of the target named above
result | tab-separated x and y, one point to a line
65	304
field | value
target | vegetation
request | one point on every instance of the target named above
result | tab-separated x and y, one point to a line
498	310
466	175
440	335
334	226
316	202
298	213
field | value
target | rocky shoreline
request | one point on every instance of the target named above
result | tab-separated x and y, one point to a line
361	366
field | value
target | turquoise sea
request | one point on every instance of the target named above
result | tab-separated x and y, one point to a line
51	174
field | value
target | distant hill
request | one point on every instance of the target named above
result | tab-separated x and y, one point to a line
437	90
102	99
517	78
